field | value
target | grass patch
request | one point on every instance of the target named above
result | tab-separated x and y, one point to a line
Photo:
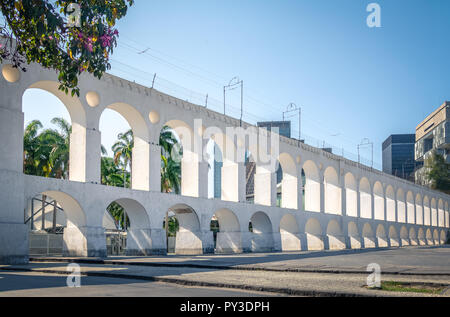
392	286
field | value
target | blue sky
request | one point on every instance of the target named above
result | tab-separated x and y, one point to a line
352	81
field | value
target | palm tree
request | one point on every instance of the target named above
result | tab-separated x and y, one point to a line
170	169
30	145
170	175
123	151
60	155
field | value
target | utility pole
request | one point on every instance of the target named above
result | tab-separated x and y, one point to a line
232	85
292	107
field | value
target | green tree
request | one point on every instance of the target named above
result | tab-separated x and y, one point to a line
46	153
38	31
438	172
123	152
170	167
30	145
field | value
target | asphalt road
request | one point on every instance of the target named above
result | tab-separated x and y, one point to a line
31	284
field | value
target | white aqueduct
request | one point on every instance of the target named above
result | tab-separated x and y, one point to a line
345	204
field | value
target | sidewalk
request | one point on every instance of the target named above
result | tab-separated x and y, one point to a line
301	274
402	261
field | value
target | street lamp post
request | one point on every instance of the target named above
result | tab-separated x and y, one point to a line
365	142
292	107
234	84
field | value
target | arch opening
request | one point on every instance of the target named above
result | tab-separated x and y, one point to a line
287	182
382	239
434	213
365	198
393	237
311	187
125	151
419	210
401	206
226	232
426	211
332	192
368	236
336	239
289	232
410	204
413	237
53	146
127	228
182	227
378	196
57	226
351	195
390	204
353	233
313	233
261	233
404	236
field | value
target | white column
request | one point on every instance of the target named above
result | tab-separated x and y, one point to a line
13	231
322	192
265	187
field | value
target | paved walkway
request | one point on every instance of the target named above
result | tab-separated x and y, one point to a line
409	260
301	274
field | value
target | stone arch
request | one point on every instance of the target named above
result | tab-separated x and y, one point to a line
436	237
378	203
393	237
382	239
390	204
443	237
76	232
413	236
419	210
404	236
190	185
188	239
421	237
141	151
441	213
230	163
401	206
77	113
351	195
332	191
368	236
138	233
311	187
289	184
353	233
410	206
426	211
289	232
335	236
228	239
261	234
429	237
365	194
313	233
434	213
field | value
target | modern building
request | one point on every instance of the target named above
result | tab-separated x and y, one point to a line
284	129
433	134
398	156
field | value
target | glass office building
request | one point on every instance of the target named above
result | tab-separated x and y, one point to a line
398	156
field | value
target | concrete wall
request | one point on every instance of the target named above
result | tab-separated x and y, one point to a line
334	185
